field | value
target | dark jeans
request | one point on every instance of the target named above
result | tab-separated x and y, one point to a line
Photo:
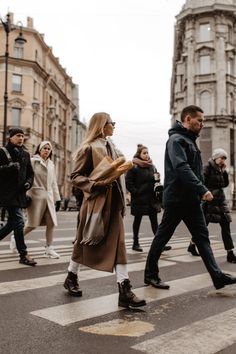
194	219
15	223
137	222
226	234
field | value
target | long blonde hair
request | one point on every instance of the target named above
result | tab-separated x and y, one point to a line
94	131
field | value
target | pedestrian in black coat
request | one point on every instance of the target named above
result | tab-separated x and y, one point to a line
140	181
16	177
216	178
183	192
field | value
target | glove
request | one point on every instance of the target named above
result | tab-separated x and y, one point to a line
57	205
158	187
100	187
27	186
14	165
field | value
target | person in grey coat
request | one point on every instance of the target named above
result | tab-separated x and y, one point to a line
16	177
216	178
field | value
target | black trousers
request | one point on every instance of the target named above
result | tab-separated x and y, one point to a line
226	233
15	223
137	223
192	216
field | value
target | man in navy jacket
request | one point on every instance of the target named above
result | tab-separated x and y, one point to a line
16	177
183	192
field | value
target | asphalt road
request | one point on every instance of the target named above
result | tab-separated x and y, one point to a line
37	315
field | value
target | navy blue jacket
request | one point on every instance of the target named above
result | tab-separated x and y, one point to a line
12	181
183	168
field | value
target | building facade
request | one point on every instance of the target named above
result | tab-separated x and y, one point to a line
204	71
42	98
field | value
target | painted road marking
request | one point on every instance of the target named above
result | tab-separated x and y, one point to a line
207	336
103	305
52	280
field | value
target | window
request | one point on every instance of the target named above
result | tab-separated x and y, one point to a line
18	52
16	116
35	90
205	102
206	143
230	66
230	34
16	82
205	32
205	64
34	121
232	132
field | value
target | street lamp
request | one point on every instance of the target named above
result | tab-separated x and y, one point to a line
20	40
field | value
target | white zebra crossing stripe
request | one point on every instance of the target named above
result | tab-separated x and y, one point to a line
86	309
208	336
52	280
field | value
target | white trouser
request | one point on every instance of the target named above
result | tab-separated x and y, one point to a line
120	269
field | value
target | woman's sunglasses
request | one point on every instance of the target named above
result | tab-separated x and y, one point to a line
112	123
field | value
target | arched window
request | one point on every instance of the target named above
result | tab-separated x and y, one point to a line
205	102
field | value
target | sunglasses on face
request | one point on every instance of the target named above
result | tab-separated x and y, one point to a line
112	123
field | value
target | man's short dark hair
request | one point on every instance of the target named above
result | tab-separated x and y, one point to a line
190	110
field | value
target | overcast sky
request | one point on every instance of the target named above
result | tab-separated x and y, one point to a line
120	53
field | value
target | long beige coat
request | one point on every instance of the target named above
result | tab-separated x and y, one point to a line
111	250
44	192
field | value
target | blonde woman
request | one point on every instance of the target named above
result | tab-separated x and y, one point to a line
110	253
45	196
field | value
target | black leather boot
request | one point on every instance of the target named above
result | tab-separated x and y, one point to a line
136	247
192	249
71	284
126	297
26	260
231	257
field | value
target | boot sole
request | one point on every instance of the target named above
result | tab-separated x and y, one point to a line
78	294
127	306
164	287
28	264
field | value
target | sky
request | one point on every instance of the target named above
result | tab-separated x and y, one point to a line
120	54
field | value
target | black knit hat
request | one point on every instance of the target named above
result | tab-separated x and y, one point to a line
14	131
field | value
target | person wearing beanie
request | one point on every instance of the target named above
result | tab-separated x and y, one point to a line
45	196
16	177
216	178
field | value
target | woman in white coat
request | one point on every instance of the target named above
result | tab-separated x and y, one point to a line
45	196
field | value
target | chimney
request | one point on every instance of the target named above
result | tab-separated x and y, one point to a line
11	17
30	22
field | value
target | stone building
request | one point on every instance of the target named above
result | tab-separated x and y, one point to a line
42	97
204	71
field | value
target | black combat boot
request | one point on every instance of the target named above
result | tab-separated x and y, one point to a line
136	247
192	249
126	297
71	284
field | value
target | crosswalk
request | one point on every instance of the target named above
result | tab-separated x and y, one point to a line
99	315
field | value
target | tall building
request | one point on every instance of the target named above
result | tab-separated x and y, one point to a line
204	71
42	98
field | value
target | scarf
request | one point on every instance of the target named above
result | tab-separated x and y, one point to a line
142	163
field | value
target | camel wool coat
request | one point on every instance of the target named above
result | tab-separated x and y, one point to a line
111	251
44	192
